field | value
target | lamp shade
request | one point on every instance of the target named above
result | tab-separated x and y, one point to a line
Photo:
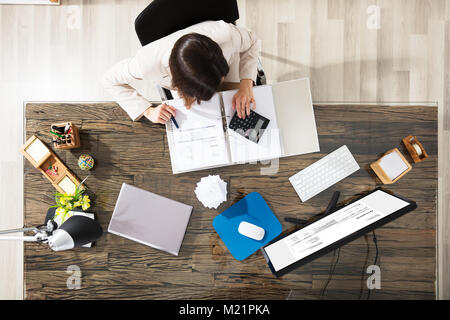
75	232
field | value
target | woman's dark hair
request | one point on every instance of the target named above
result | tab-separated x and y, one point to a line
197	65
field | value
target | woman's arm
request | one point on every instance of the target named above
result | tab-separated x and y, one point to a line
246	43
117	82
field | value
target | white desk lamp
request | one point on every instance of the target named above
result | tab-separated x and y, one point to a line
73	233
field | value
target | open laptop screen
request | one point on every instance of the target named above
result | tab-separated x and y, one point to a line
335	229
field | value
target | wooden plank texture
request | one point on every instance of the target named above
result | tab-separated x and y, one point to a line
137	153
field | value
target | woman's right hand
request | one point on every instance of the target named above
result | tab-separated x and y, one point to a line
160	114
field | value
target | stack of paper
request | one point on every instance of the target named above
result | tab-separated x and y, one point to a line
211	191
393	165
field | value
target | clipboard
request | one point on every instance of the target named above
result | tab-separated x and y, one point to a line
278	272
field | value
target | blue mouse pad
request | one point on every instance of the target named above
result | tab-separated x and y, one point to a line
254	209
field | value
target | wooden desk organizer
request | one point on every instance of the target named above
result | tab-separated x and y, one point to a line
43	159
376	167
71	140
415	149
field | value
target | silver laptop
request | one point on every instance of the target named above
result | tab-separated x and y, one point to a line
150	219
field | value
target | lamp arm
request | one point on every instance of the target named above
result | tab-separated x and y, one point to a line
34	238
34	229
39	235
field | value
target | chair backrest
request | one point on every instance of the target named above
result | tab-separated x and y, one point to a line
163	17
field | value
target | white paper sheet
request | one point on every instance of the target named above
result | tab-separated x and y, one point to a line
37	150
199	141
269	146
211	191
393	165
67	185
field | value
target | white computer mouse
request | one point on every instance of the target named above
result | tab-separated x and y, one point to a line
250	230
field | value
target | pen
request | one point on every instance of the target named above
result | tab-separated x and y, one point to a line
59	129
174	122
56	134
173	119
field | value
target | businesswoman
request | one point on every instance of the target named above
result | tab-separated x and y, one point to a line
196	61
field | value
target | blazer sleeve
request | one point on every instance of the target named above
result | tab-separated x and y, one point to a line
246	43
117	82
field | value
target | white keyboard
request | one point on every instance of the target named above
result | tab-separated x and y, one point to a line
324	173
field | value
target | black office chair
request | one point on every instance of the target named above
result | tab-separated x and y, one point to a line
163	17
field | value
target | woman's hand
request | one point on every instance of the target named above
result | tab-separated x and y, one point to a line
244	98
160	114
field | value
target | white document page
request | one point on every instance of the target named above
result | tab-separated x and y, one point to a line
199	142
269	146
393	165
332	228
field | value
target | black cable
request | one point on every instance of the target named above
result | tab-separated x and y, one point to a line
332	268
376	258
376	246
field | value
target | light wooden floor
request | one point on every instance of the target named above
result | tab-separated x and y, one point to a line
59	53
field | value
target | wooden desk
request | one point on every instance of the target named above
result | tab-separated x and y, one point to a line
137	153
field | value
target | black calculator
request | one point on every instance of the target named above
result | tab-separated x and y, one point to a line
252	127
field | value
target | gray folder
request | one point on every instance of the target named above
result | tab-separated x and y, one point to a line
150	219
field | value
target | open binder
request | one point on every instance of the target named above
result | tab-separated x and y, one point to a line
203	139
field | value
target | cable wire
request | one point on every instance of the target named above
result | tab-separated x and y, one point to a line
332	268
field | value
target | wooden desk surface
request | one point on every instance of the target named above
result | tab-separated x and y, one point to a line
137	153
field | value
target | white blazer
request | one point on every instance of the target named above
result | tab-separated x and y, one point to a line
239	47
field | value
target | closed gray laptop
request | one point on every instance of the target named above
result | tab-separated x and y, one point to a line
150	219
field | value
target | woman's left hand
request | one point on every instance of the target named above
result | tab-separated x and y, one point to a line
244	98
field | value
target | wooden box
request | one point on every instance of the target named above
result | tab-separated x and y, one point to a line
415	149
70	140
43	159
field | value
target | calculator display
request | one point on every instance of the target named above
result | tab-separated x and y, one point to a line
252	127
259	124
